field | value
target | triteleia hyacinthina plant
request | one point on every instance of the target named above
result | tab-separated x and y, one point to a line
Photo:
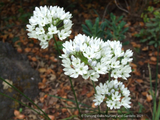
48	21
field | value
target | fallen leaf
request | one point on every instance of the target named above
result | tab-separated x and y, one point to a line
132	29
34	59
144	93
31	45
11	35
137	73
159	76
133	65
149	98
90	93
93	105
67	87
84	90
141	63
134	44
27	50
19	49
69	103
64	110
141	24
153	59
76	112
139	80
41	99
42	70
152	63
21	116
145	48
51	117
16	112
127	25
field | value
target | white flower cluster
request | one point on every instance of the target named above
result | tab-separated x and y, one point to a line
114	94
91	57
47	21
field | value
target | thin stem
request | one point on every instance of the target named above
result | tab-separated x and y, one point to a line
57	45
151	88
154	108
75	97
96	93
26	97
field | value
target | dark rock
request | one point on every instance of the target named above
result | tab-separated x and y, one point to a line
16	68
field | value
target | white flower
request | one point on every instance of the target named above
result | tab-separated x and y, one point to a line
49	21
115	92
101	68
44	44
98	99
82	69
110	104
128	53
116	96
52	30
117	105
125	70
125	102
75	73
115	73
86	76
94	75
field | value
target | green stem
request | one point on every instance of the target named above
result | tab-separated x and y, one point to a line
75	97
154	108
96	93
57	45
26	97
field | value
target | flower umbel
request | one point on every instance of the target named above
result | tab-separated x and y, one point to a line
48	21
115	97
90	57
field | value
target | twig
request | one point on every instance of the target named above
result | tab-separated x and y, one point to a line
105	11
120	7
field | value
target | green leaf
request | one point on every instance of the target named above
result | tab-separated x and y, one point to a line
158	112
20	110
143	40
119	19
141	107
85	30
155	45
15	39
125	30
89	24
95	27
103	25
125	43
151	42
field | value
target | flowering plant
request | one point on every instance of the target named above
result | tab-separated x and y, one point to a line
86	56
90	57
47	21
113	93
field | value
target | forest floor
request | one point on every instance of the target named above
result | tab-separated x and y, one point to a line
15	16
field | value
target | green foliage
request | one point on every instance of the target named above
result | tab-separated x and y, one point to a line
23	16
109	29
59	43
152	33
